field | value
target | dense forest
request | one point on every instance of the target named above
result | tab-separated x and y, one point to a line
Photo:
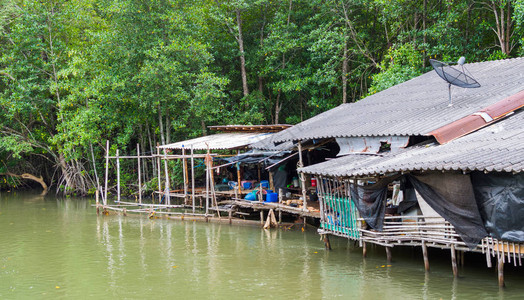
75	73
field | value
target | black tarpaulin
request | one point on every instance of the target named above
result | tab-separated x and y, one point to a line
371	204
500	197
451	196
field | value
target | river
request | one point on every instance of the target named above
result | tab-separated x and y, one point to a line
56	248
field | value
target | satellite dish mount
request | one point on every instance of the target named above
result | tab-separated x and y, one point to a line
454	76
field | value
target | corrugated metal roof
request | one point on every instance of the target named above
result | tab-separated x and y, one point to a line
415	107
498	147
220	141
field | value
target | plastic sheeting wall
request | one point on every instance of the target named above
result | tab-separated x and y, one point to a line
500	197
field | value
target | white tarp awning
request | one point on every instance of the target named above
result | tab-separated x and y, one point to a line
219	141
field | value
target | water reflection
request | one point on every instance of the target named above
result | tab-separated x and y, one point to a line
64	244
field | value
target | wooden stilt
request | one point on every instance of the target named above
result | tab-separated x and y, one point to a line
327	244
462	258
107	172
184	173
425	254
158	173
454	261
280	197
124	212
302	176
230	215
139	174
239	178
167	188
388	254
271	183
207	184
262	217
500	267
97	203
193	179
117	176
364	250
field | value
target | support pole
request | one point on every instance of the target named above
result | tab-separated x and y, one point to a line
193	179
388	254
97	202
139	174
117	176
262	217
454	261
239	179
107	171
184	173
425	254
271	183
500	267
364	250
208	177
302	176
158	173
327	244
280	197
167	183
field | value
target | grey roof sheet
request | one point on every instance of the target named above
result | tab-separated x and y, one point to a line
414	107
220	141
498	147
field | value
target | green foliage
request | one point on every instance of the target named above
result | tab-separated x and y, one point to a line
400	64
76	73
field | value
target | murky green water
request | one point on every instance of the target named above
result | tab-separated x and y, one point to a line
58	248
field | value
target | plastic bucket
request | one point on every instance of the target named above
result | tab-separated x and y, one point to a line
246	185
264	184
272	197
313	181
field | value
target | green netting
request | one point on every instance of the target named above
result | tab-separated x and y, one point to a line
340	216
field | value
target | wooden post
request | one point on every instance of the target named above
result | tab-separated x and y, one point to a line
167	183
425	254
139	174
193	178
158	173
302	176
327	244
388	254
97	203
184	171
230	215
208	177
117	176
260	196
271	183
364	250
107	171
280	197
262	217
462	258
239	179
500	267
259	173
454	261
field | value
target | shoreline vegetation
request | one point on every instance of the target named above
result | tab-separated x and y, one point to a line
74	74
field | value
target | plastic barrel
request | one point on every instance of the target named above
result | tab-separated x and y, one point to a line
272	197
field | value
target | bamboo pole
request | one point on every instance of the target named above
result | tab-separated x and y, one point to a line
388	254
280	197
500	269
184	171
117	176
139	175
271	183
302	176
193	178
327	244
158	173
425	254
167	183
238	176
364	250
107	171
207	182
454	261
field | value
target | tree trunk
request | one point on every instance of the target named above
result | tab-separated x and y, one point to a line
242	56
161	124
345	72
40	180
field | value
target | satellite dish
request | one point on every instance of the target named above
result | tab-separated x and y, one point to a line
454	76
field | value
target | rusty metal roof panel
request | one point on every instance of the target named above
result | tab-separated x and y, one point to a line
219	141
498	147
415	107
